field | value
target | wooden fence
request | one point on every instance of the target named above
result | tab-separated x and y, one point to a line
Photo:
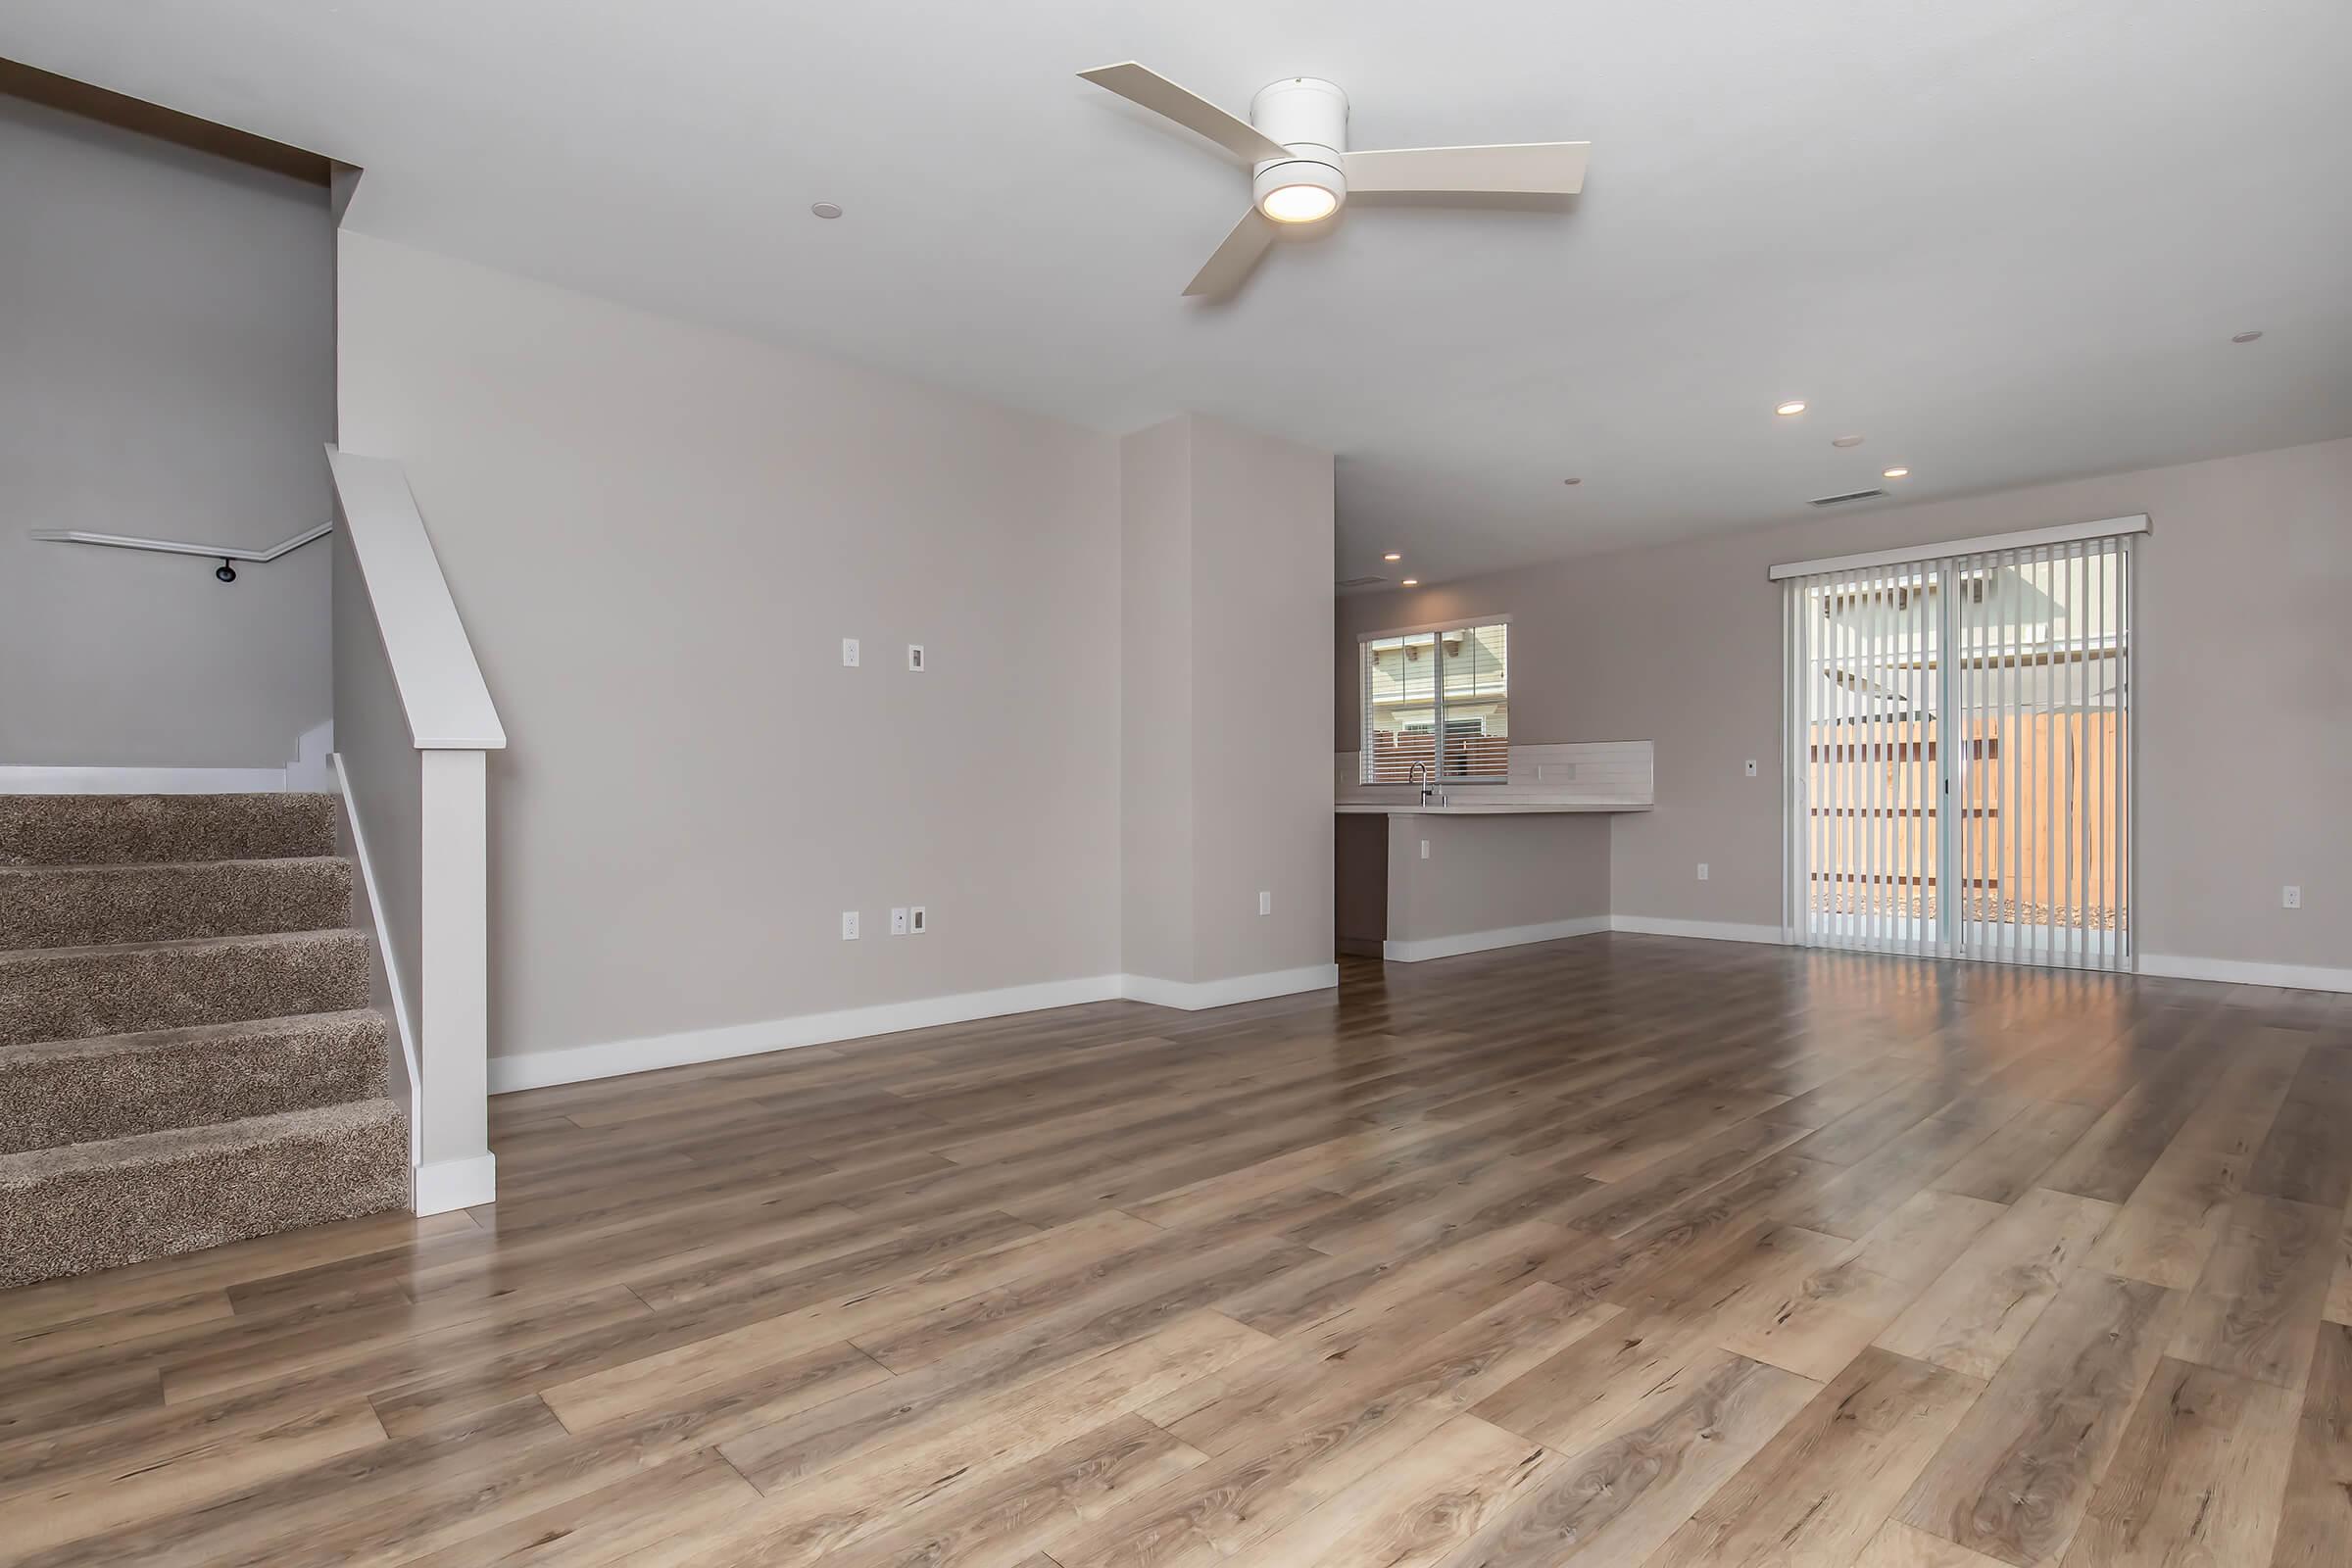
2043	831
1394	755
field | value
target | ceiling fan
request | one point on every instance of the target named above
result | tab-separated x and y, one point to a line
1295	141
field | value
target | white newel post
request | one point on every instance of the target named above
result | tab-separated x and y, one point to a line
455	1168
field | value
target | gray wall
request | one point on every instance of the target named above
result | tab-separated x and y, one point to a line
1226	619
658	536
1262	521
166	367
1492	874
1155	701
2244	702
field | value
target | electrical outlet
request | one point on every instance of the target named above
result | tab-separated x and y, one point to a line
898	922
1265	904
1702	870
1425	849
2291	897
848	926
1751	767
915	657
849	653
918	922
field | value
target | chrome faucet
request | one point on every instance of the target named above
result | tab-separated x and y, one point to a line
1423	774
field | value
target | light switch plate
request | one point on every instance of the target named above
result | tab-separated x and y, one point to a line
915	656
918	920
1702	870
1265	904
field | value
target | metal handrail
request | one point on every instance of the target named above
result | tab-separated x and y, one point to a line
179	547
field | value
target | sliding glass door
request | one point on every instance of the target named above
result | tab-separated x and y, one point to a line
1865	669
1959	754
2042	769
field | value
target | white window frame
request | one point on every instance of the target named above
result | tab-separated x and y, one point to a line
1363	720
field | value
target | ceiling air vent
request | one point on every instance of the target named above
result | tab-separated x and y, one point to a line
1360	582
1851	495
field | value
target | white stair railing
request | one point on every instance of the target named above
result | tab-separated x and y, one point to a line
413	725
225	554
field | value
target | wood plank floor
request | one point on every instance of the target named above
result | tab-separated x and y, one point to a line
1624	1250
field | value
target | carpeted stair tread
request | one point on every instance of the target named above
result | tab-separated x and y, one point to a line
80	905
92	1206
76	993
119	829
187	1053
118	1086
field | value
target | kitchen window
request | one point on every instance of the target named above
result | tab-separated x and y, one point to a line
1437	696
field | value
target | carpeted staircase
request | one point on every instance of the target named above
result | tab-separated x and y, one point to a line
187	1056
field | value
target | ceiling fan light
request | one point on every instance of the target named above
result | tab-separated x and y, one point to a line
1303	190
1298	204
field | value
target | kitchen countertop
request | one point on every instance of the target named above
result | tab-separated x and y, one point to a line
1503	808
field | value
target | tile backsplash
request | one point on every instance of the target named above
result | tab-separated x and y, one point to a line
1601	772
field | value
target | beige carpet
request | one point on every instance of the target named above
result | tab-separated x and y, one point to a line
187	1055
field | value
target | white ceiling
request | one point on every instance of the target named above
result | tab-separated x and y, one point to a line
2005	240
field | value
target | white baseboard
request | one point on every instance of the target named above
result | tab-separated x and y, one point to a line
1509	936
2225	971
1194	995
612	1058
16	780
2238	972
1705	930
537	1070
453	1184
310	771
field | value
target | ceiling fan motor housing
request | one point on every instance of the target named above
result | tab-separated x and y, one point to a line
1308	116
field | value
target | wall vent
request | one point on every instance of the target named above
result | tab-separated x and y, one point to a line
1360	582
1851	495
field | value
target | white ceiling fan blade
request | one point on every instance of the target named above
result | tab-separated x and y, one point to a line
1190	110
1230	267
1535	169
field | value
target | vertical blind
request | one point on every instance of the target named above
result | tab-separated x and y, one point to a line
1960	754
1440	697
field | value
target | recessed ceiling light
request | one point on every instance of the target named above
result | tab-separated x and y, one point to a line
1896	474
825	209
1411	582
1793	406
1392	556
1846	441
2245	337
